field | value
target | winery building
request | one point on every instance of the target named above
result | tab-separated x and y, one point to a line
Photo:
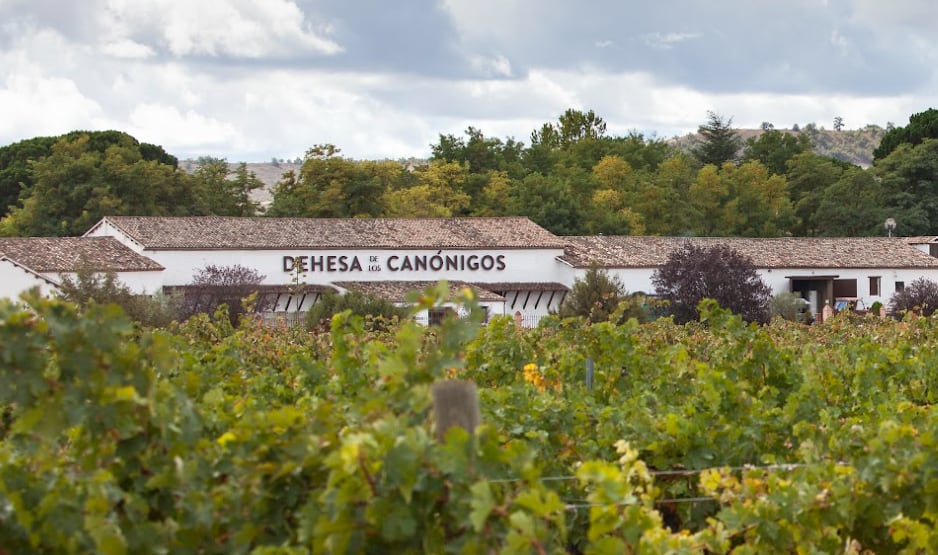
514	266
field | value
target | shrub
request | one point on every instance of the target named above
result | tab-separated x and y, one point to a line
214	286
89	287
378	313
594	297
693	273
920	297
789	306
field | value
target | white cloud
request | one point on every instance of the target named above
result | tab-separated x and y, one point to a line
128	49
32	104
238	28
667	40
189	130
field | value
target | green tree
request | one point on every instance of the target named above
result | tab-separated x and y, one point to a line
550	202
923	125
809	176
76	185
853	206
719	141
909	178
758	205
17	160
708	194
330	186
219	191
773	149
595	296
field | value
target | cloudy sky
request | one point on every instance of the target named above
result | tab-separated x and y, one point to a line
249	80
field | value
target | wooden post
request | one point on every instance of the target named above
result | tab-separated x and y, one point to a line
827	312
455	403
518	320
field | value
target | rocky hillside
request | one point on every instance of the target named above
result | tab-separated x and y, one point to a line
851	145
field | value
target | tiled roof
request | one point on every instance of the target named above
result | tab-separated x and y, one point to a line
396	291
784	252
70	254
921	240
523	286
335	233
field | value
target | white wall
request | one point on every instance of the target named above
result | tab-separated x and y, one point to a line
639	279
507	265
14	280
142	283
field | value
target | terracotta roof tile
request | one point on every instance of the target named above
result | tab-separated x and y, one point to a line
396	291
335	233
784	252
70	254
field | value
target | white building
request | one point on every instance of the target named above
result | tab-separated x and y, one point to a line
862	270
28	262
514	266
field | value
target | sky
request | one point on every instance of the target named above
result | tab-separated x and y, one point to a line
252	80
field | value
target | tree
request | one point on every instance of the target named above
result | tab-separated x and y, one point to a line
774	148
213	286
809	176
331	186
838	123
220	192
852	207
923	125
759	204
17	159
77	184
909	180
719	141
594	297
920	297
693	273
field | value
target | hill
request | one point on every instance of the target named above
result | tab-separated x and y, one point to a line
850	145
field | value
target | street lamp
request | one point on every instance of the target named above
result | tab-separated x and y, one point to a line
890	225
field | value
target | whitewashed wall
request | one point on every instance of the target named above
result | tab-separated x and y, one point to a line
280	266
639	279
14	280
141	283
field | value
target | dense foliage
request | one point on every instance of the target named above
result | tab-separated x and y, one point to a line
210	439
697	272
378	313
574	178
89	287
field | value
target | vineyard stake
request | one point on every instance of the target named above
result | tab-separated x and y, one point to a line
455	403
589	374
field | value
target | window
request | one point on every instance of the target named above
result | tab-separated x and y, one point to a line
875	283
933	250
900	286
437	315
845	288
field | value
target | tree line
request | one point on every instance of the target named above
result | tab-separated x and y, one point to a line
572	178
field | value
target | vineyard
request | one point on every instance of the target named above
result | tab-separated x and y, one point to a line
712	437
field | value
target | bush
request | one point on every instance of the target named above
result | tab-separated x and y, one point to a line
920	297
789	306
104	288
595	297
379	314
214	286
693	273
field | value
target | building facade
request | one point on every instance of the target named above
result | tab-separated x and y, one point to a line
513	266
